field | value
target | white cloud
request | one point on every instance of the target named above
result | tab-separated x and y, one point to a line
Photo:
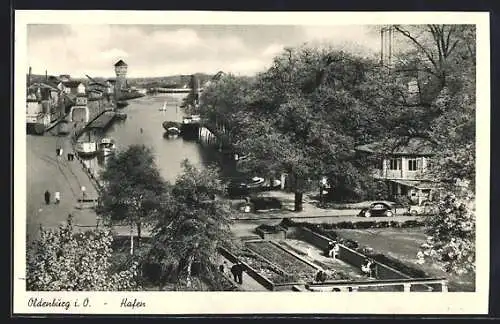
93	49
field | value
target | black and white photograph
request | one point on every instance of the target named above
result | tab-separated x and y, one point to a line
251	162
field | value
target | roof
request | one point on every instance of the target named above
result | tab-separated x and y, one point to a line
401	146
71	83
120	63
98	84
42	86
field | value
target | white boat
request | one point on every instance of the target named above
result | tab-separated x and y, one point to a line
173	131
256	182
193	119
107	146
86	148
164	108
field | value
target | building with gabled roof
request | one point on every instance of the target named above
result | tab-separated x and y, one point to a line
403	163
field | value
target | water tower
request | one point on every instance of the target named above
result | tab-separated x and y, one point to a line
121	75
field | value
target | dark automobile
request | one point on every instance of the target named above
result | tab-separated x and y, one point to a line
265	203
378	209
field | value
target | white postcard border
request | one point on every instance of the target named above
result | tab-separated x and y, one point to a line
257	302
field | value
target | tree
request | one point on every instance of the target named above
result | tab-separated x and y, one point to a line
307	113
64	260
194	223
452	234
134	188
443	59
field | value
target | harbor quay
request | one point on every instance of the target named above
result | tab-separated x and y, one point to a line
47	171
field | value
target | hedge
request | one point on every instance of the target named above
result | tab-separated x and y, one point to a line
271	228
287	222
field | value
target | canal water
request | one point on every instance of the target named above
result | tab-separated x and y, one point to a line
144	126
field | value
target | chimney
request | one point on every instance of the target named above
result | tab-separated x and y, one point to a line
29	76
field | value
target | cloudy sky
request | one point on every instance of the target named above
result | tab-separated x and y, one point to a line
159	50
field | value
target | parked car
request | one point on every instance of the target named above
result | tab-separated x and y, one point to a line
378	209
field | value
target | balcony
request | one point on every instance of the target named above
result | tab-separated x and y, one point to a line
399	174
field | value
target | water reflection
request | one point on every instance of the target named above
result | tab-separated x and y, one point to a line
168	136
144	113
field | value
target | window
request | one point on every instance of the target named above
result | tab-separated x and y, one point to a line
412	165
394	164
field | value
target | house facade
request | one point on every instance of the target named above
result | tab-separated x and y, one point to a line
404	165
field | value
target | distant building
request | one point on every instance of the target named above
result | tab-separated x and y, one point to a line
404	165
64	77
121	74
71	87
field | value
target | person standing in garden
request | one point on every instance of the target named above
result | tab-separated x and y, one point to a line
47	197
237	271
57	197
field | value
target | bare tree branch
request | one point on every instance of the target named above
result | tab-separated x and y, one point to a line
417	43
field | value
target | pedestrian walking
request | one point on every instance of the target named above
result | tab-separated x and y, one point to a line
237	271
47	197
223	267
319	276
57	197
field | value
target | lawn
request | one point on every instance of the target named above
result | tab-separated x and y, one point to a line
403	244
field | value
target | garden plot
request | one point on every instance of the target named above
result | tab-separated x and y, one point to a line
342	270
296	269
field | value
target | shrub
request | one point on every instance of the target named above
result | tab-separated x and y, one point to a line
270	228
411	224
368	224
345	225
350	243
287	222
382	224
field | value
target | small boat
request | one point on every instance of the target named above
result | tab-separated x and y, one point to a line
85	149
120	116
193	119
170	125
121	104
107	146
256	182
164	108
173	131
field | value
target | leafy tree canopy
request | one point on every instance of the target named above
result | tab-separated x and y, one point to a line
64	260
